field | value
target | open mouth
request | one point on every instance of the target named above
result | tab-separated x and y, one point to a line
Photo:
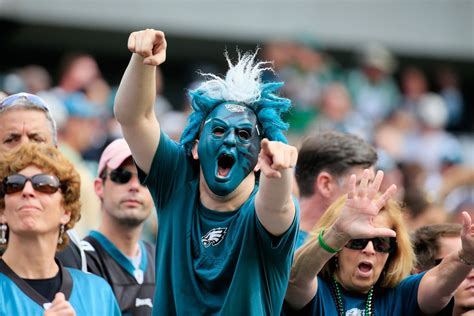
365	267
224	164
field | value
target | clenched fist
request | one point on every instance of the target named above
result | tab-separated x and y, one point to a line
150	44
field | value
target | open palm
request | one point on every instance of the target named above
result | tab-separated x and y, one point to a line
362	205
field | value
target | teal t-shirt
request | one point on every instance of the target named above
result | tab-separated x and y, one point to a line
87	293
209	262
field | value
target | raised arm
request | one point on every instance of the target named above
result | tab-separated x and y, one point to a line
134	103
354	221
273	203
438	284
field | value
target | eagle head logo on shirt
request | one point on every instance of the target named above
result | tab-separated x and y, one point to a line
214	236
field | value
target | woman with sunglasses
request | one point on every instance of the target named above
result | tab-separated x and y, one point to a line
360	256
39	202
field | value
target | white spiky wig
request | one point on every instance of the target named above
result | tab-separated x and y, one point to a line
241	85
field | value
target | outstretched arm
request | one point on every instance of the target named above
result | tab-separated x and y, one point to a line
136	95
354	221
438	284
273	203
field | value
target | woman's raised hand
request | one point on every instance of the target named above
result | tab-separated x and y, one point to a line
362	205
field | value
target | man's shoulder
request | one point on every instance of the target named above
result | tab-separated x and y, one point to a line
149	248
91	278
91	245
70	256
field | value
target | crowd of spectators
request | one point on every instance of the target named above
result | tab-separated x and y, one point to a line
393	107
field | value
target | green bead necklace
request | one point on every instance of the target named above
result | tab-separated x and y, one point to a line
337	296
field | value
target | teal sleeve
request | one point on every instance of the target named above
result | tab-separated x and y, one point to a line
171	168
408	290
280	244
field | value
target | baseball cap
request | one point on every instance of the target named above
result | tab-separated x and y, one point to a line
114	155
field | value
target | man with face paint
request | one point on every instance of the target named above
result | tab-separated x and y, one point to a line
230	134
226	236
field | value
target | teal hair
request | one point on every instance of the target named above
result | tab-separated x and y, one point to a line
241	85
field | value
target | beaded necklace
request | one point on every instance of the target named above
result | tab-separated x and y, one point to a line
337	297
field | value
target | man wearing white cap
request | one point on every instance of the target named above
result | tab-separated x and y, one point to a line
115	251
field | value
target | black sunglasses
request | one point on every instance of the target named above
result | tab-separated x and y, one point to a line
43	183
30	98
381	244
120	176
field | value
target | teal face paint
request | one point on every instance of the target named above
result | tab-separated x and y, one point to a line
228	147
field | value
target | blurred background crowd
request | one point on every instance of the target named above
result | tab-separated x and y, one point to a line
417	109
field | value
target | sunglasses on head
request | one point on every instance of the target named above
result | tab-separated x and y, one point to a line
381	244
120	176
43	183
26	97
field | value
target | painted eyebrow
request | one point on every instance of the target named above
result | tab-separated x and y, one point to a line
240	125
218	120
245	125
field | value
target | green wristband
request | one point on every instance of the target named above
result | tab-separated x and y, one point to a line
323	244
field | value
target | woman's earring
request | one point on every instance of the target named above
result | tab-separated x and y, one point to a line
61	233
3	234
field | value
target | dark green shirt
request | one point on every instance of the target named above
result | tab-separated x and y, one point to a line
208	262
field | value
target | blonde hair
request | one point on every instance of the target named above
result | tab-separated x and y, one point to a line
399	263
51	161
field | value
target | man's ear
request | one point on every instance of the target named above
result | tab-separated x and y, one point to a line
99	187
194	151
324	184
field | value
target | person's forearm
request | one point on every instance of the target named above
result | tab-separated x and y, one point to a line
137	92
276	192
309	260
438	284
274	204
